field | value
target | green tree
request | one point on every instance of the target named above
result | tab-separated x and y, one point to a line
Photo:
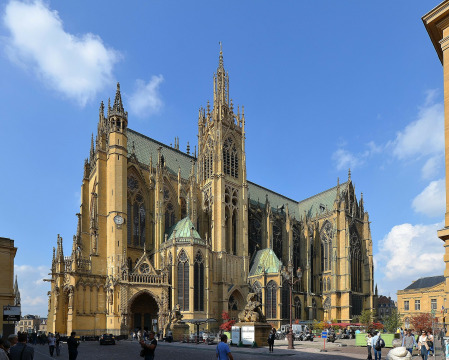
367	318
393	321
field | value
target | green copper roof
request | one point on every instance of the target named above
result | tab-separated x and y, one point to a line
184	229
146	147
265	260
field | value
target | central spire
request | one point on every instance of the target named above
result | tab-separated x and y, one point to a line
221	83
220	59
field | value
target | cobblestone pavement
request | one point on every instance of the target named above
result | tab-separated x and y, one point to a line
130	350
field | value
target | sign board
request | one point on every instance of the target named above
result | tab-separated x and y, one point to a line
11	313
324	335
247	335
235	335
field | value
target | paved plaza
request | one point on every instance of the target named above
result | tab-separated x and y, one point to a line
130	350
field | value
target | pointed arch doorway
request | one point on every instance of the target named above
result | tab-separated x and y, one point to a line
144	311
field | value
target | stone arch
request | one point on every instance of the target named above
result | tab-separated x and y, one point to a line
236	303
143	308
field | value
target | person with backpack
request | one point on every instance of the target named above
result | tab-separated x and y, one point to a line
377	343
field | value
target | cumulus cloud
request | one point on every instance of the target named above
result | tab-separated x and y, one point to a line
432	167
345	159
424	136
76	66
146	100
432	200
409	252
33	291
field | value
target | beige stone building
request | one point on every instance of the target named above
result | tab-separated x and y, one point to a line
436	22
158	227
8	290
423	296
29	324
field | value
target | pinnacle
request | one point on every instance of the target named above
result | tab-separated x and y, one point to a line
118	105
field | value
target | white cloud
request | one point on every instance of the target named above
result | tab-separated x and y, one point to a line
146	100
76	66
345	159
422	137
33	290
432	200
432	167
409	252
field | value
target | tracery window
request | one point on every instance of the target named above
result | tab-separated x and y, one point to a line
285	300
296	246
136	224
326	241
169	209
356	261
230	158
297	308
198	287
183	281
208	161
277	238
271	300
255	233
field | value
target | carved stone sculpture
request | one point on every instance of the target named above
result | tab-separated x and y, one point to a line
175	315
252	311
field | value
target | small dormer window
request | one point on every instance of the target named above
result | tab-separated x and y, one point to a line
322	208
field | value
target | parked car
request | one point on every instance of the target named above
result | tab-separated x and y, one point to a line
107	339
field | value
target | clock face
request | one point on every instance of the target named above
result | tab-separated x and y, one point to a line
118	220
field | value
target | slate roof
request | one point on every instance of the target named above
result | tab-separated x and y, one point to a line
426	282
146	147
266	260
311	205
184	230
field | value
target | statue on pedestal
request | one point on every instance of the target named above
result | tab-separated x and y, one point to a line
252	311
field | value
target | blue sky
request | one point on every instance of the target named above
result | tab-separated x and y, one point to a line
326	86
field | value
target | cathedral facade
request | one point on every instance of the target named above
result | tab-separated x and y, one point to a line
159	227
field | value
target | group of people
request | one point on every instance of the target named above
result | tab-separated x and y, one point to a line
16	346
425	343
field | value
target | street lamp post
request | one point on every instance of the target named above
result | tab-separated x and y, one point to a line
289	276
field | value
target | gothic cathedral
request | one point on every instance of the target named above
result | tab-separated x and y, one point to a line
159	227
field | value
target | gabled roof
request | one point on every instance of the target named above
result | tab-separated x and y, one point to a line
265	261
184	230
312	205
146	147
426	282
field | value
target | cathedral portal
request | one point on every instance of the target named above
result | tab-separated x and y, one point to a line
144	311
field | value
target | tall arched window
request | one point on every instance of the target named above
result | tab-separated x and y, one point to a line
285	300
296	246
198	286
169	209
208	160
270	300
277	238
298	314
326	240
356	262
183	208
183	281
136	224
255	232
230	158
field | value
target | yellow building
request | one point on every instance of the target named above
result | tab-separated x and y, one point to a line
7	287
423	296
159	227
29	324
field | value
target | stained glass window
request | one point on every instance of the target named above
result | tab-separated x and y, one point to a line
183	281
230	159
198	272
356	262
271	300
285	300
277	239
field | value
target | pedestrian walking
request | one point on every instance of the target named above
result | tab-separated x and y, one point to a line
271	338
408	341
22	351
58	343
430	343
148	347
72	345
422	345
51	344
223	352
368	338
